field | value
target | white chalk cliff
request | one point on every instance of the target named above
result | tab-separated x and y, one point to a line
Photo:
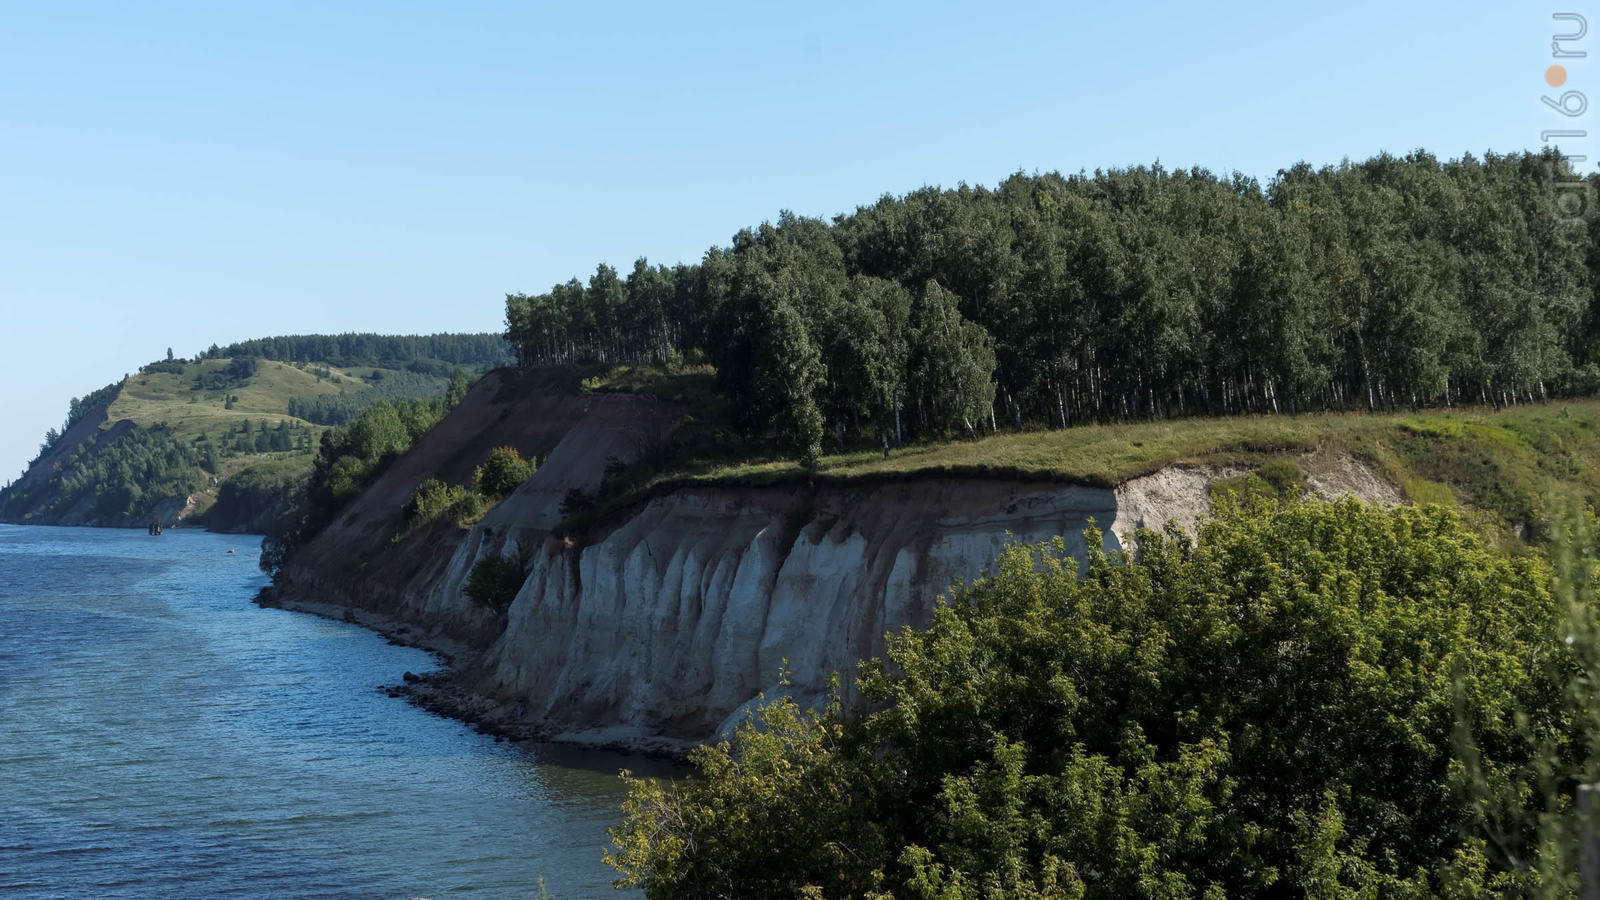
680	610
667	626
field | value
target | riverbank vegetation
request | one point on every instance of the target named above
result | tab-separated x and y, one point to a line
349	459
251	501
1326	700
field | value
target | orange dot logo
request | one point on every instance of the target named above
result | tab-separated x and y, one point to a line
1555	76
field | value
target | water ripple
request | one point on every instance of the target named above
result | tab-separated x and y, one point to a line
161	736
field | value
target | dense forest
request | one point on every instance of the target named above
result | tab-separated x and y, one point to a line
426	354
1123	295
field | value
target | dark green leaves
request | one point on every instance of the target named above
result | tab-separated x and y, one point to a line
1265	712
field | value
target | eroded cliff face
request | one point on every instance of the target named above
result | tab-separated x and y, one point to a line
358	563
663	628
703	598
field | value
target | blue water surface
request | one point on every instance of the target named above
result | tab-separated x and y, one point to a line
162	736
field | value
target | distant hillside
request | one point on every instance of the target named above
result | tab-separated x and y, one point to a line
173	439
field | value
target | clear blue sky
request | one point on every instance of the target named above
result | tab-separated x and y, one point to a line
201	173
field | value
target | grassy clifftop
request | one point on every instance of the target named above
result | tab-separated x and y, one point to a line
194	396
1500	466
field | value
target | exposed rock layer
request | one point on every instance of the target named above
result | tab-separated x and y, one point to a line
662	628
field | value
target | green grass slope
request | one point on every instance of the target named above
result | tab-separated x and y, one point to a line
1501	467
186	401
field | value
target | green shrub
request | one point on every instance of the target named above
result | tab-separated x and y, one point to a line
502	472
495	580
1284	476
434	500
428	501
1278	479
1267	712
467	508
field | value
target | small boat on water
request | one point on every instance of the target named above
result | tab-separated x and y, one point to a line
155	525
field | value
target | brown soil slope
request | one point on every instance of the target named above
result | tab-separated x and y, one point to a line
357	562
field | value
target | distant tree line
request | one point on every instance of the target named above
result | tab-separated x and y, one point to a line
1127	294
265	437
163	366
337	409
476	351
239	370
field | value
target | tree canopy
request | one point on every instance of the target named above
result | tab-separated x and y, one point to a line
1126	294
434	354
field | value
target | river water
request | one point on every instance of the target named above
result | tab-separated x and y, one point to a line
162	736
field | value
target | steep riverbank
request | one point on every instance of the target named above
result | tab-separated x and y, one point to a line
682	608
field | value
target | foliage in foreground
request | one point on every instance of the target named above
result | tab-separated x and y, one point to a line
1267	711
1548	868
